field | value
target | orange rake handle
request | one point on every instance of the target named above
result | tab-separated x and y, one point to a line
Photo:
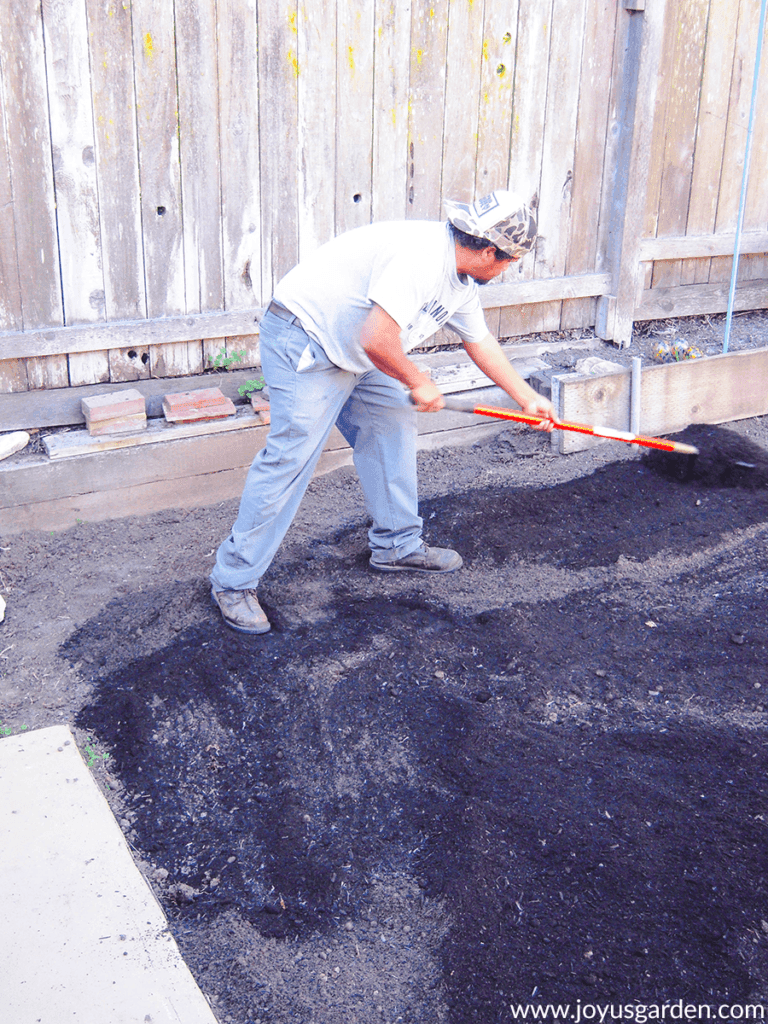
579	428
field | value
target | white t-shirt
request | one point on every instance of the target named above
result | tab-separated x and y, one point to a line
406	267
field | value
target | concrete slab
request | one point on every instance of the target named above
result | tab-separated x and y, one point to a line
82	938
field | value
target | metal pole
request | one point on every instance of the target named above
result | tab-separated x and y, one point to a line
634	395
745	177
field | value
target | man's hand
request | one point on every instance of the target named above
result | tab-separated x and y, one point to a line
539	406
427	398
489	357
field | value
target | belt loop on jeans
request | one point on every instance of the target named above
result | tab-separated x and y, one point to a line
280	311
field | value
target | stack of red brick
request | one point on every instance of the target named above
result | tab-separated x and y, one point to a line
192	406
124	412
119	412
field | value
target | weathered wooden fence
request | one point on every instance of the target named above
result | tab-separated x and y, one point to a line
164	162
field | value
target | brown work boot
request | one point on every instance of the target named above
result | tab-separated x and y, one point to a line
241	610
423	559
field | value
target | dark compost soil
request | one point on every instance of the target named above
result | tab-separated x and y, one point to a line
539	780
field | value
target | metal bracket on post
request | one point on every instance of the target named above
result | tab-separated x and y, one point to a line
635	396
634	5
555	438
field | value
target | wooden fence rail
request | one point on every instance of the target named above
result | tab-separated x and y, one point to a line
162	164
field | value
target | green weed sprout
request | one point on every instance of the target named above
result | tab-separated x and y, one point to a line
7	730
223	361
92	754
251	385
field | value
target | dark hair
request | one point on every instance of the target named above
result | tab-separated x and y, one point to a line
473	242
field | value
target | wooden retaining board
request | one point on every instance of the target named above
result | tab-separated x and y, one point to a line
184	473
61	407
58	407
210	468
73	444
716	389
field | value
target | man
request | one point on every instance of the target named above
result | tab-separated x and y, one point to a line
334	344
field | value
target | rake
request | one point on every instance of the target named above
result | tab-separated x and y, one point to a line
580	428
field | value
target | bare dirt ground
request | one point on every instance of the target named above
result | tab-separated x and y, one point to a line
539	780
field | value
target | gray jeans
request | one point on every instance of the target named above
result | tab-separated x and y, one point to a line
309	395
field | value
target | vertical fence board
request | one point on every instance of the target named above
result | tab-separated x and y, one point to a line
530	89
198	154
559	143
710	133
127	364
429	31
74	163
159	167
117	173
13	376
47	372
239	90
390	109
117	159
317	142
354	142
531	70
738	117
658	140
74	169
755	267
680	130
157	120
279	69
736	132
10	290
494	121
756	213
197	73
13	372
589	156
28	130
496	95
244	349
176	359
460	118
560	136
88	367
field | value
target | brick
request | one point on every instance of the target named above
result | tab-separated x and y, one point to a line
191	406
120	425
260	406
113	405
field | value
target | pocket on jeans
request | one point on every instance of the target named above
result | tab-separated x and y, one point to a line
313	358
306	359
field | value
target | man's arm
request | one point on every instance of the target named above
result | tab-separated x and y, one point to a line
380	338
488	356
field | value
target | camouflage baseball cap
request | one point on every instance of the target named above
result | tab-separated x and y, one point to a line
501	217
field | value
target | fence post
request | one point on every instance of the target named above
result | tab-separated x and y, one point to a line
635	110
